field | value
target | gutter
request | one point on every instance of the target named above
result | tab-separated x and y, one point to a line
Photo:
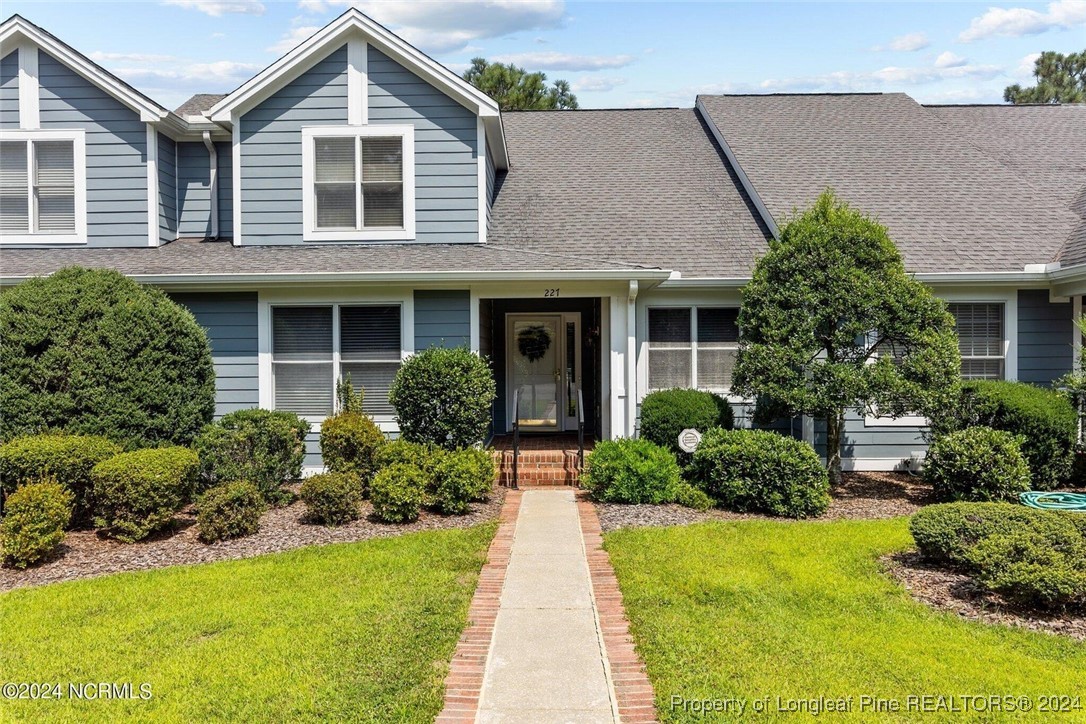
213	181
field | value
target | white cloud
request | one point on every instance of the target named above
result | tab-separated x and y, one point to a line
890	78
950	60
448	26
170	79
217	8
597	84
1024	70
565	61
906	43
292	38
1016	22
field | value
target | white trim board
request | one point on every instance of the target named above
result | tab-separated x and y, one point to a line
152	187
29	90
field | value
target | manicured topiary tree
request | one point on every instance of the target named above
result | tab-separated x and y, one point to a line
93	352
832	322
443	396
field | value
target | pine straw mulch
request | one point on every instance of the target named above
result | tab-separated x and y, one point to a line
959	593
860	496
84	554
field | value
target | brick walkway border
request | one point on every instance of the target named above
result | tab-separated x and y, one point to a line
464	683
636	702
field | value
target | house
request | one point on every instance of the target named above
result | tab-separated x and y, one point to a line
355	202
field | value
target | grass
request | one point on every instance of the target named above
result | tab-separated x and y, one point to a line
358	632
759	609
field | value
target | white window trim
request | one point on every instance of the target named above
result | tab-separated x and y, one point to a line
404	299
309	210
723	391
79	151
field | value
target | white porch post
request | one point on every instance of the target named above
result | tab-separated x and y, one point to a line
617	366
631	359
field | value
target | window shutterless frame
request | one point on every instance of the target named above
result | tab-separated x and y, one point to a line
690	345
310	231
77	137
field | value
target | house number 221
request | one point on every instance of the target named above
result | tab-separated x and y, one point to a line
553	292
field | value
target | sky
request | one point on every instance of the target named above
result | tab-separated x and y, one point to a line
615	54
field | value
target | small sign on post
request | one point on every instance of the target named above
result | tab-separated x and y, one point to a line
689	439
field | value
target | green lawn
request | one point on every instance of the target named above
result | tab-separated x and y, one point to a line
759	609
360	632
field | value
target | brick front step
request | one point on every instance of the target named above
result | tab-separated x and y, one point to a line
538	468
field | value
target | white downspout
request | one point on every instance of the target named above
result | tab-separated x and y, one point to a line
213	160
631	360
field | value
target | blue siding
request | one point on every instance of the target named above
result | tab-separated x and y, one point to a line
446	163
875	442
271	149
442	319
1046	333
116	153
167	189
9	90
230	321
194	189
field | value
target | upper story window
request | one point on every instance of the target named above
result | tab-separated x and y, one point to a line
981	339
42	187
692	347
358	183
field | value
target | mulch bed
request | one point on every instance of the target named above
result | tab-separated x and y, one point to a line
84	554
860	496
958	593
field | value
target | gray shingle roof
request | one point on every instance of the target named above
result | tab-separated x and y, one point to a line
198	104
1046	144
949	206
636	186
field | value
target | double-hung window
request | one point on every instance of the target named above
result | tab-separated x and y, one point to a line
315	346
981	339
42	187
692	347
358	183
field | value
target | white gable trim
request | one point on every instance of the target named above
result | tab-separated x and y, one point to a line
29	115
357	82
17	30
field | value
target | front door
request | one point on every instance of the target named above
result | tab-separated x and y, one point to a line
543	370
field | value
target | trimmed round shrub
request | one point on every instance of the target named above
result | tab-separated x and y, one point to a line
666	413
265	447
402	452
68	459
691	497
397	493
350	443
137	493
94	353
1044	420
976	464
333	498
443	396
230	510
945	533
1043	567
631	471
460	478
34	521
761	471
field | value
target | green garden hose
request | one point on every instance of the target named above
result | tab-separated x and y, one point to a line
1054	501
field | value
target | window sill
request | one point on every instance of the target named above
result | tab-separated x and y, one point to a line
42	239
373	235
906	421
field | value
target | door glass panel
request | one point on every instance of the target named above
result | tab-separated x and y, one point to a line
536	371
571	369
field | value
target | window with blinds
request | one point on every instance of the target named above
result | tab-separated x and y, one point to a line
692	347
980	339
37	187
358	182
308	357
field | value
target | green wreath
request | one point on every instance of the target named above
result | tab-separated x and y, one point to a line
533	342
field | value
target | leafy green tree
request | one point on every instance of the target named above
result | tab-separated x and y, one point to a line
1060	79
515	89
832	322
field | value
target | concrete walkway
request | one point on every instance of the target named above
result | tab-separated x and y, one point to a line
547	661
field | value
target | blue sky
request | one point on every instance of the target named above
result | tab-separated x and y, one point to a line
616	54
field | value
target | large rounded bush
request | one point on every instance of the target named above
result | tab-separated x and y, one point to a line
230	510
666	413
34	521
350	443
402	452
1043	568
460	478
95	353
397	493
68	459
443	396
333	498
631	471
137	493
976	464
760	471
1044	421
945	533
265	447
